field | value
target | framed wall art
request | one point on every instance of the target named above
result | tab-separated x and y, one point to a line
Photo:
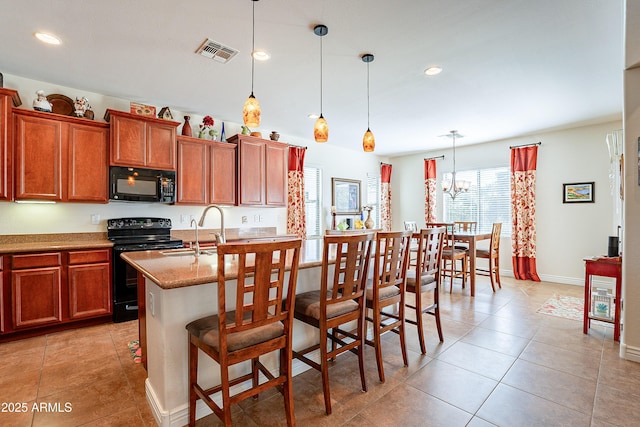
345	196
579	192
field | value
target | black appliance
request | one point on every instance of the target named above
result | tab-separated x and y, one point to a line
127	235
142	185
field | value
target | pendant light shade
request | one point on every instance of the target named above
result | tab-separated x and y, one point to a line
321	128
251	110
368	141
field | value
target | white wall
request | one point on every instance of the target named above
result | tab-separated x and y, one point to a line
19	218
566	233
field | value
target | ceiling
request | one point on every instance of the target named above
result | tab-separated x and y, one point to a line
510	68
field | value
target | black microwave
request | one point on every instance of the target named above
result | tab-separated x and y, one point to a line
142	185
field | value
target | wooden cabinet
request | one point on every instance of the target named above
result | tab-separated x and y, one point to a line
36	289
60	158
206	172
262	171
142	141
89	277
7	96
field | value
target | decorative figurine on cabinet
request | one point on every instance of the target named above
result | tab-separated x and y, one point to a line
41	103
165	113
81	106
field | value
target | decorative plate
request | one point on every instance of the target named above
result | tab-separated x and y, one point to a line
61	104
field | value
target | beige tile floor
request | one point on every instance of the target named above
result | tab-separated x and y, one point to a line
501	364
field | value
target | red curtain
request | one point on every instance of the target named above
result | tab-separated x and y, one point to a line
523	200
296	221
385	189
429	190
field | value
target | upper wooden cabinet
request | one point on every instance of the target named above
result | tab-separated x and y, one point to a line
142	141
206	172
7	96
262	171
60	158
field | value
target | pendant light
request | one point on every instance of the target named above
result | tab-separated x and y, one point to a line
455	186
321	128
368	141
251	111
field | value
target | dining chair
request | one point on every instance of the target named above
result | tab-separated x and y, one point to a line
451	255
386	290
465	227
493	255
424	276
340	300
259	323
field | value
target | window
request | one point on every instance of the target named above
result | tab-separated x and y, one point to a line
373	198
312	201
487	201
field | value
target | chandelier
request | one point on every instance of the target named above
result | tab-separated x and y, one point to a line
454	186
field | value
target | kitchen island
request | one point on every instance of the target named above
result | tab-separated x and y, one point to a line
177	288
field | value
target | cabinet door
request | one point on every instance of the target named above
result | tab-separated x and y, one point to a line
89	290
88	164
6	152
223	173
161	146
2	292
128	141
251	172
37	297
192	172
276	174
39	158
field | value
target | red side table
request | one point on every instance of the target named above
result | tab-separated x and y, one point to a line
604	267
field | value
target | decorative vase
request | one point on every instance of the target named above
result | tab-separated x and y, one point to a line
186	127
274	136
369	221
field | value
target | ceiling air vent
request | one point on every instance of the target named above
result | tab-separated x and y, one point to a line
214	50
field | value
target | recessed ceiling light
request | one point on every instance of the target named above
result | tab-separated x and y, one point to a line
260	55
432	71
48	38
313	116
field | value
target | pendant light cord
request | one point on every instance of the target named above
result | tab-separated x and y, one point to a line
321	76
368	96
253	41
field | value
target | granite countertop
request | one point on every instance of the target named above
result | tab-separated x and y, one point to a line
20	243
177	271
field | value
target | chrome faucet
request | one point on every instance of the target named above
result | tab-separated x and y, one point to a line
220	237
196	249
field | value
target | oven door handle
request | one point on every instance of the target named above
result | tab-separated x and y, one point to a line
130	307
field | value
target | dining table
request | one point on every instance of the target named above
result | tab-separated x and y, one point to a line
471	238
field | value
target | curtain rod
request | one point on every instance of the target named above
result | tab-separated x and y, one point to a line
526	145
297	146
388	164
434	158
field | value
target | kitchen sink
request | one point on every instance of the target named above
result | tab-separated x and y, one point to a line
187	252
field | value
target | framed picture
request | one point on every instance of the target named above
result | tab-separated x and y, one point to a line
579	192
345	196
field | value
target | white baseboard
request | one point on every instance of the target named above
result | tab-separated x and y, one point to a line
565	280
630	353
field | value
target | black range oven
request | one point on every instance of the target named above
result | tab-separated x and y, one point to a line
127	235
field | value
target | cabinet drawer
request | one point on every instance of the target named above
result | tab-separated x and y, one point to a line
89	257
36	260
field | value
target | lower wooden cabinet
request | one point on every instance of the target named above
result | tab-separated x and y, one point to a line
36	289
89	277
46	289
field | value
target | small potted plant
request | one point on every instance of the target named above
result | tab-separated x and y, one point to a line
206	130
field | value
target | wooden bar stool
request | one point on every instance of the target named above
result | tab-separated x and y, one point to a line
339	301
261	323
451	255
424	276
387	289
